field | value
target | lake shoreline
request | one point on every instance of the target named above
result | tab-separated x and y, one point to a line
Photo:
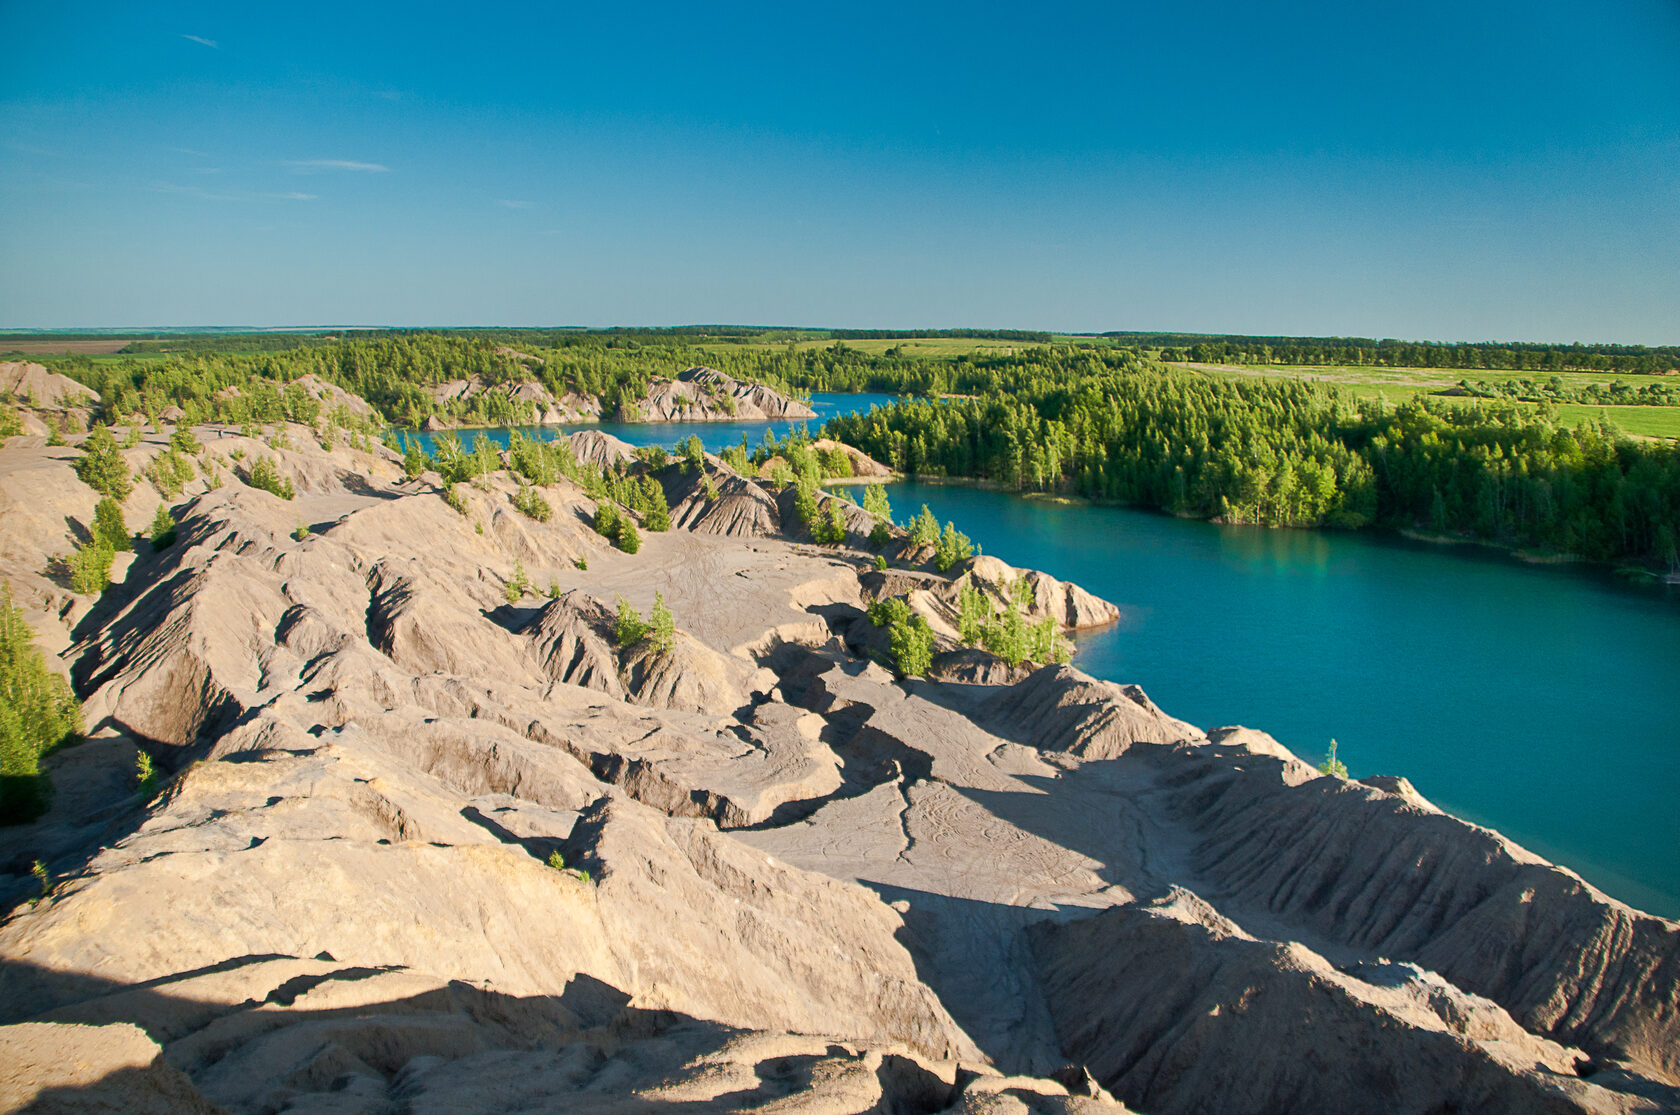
1380	641
1644	576
1515	553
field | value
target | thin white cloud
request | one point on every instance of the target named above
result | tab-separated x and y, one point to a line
312	166
505	203
35	177
211	43
190	191
207	195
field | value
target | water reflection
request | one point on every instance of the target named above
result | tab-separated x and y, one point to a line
1295	551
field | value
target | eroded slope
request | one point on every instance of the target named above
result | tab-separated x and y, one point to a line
429	843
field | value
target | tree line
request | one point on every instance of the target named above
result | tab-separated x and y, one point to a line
1361	351
1025	336
396	374
1285	453
1173	347
1557	390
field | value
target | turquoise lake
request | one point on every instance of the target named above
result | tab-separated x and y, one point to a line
1543	701
716	436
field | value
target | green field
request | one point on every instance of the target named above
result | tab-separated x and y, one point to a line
1397	384
1413	380
1660	422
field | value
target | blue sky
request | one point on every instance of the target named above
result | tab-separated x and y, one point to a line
1432	170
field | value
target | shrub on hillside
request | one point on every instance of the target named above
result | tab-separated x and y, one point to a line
954	546
629	628
912	646
101	465
170	471
924	528
664	625
265	475
532	505
607	517
37	713
163	528
90	567
109	527
519	585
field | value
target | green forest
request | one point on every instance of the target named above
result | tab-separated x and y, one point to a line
394	372
1284	453
1362	351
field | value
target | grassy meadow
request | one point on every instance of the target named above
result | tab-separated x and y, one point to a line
1396	384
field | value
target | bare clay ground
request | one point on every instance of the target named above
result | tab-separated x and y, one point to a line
424	841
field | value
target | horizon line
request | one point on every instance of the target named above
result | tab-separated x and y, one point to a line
907	331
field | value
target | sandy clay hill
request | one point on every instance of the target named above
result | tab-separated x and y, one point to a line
703	394
45	397
427	841
698	394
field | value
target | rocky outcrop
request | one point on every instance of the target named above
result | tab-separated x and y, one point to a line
39	389
1167	1002
857	522
861	465
938	596
738	508
1360	867
713	925
689	675
696	395
334	1044
602	450
1072	606
40	497
334	398
541	405
49	1067
1058	708
973	666
573	640
703	394
425	624
525	358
